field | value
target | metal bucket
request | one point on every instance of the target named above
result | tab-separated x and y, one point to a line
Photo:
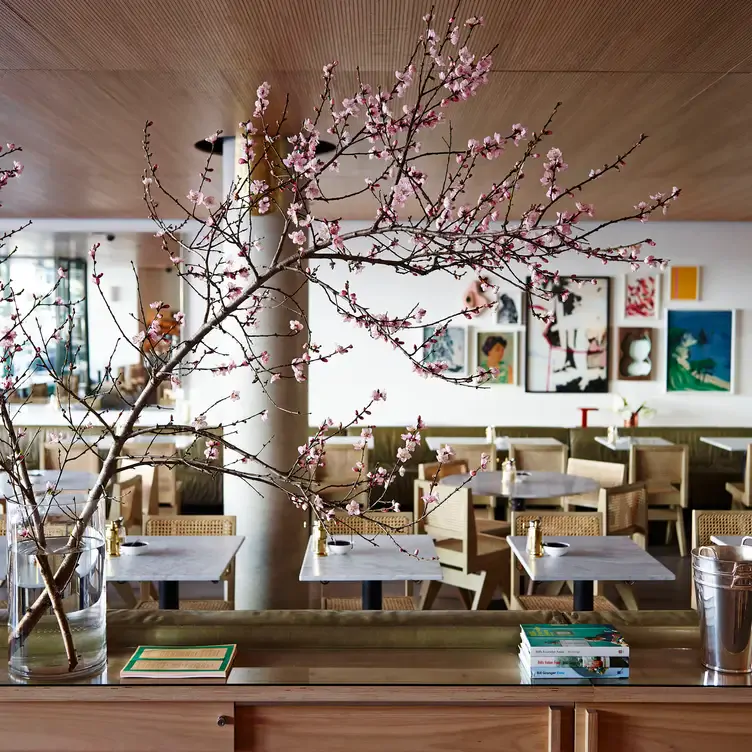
723	583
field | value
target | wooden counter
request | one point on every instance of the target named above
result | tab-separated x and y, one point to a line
342	693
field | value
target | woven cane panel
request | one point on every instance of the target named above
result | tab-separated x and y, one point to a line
626	512
563	523
560	603
470	453
435	471
539	458
722	523
190	525
658	464
208	605
338	464
449	517
371	523
397	603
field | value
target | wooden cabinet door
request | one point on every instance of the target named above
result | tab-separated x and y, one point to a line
659	727
70	726
437	728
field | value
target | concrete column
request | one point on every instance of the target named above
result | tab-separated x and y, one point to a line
268	563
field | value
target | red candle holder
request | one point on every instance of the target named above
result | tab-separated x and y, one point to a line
585	411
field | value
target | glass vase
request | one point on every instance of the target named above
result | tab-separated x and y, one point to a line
39	651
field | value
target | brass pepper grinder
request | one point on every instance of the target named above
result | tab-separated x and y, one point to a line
535	539
112	540
320	539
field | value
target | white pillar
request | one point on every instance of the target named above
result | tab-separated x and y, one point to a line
268	563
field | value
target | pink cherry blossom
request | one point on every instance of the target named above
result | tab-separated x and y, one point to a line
378	395
298	237
61	272
195	197
431	498
445	454
179	317
353	508
199	423
235	395
265	416
296	326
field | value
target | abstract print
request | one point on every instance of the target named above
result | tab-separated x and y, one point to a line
640	297
568	351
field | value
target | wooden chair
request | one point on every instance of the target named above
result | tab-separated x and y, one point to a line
740	492
434	471
470	454
539	457
709	522
554	523
665	470
606	474
370	523
473	562
335	478
129	492
160	482
194	525
39	394
74	454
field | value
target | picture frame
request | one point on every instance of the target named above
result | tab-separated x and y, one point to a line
700	351
570	353
509	310
642	296
635	353
500	349
684	283
451	347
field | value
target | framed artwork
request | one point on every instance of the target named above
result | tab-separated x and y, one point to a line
685	283
509	306
641	299
498	350
450	346
700	351
636	353
568	351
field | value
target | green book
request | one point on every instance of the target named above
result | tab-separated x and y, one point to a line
573	639
181	662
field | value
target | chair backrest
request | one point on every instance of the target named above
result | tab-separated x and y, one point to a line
659	466
470	453
559	523
74	455
606	474
335	476
748	474
436	470
625	510
39	393
371	523
452	518
539	457
190	524
131	500
707	522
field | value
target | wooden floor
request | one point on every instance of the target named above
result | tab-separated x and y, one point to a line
650	595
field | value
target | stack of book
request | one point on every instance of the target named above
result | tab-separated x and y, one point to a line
574	651
179	664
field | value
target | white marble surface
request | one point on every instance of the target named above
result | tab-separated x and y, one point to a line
613	558
729	540
179	441
729	443
502	442
534	485
625	443
63	480
383	561
346	440
177	558
48	416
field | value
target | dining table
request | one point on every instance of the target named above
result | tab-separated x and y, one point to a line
373	560
625	443
589	559
168	560
729	443
502	443
535	484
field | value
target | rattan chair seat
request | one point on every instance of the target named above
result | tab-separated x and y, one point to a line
395	603
499	528
561	603
189	605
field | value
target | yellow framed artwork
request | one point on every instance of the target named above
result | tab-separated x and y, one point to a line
685	283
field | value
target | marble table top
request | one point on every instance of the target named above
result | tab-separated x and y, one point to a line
729	443
179	441
369	562
49	416
624	443
502	442
537	485
177	558
346	440
612	558
63	480
730	540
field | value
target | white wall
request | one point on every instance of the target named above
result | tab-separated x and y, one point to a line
723	250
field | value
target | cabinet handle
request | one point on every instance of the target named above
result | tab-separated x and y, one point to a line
224	720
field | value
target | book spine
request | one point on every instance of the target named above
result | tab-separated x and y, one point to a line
555	661
570	673
550	651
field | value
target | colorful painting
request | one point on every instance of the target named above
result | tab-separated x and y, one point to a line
509	306
498	350
450	346
567	337
685	283
640	296
700	351
635	354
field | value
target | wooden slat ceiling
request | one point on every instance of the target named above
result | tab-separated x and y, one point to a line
79	77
